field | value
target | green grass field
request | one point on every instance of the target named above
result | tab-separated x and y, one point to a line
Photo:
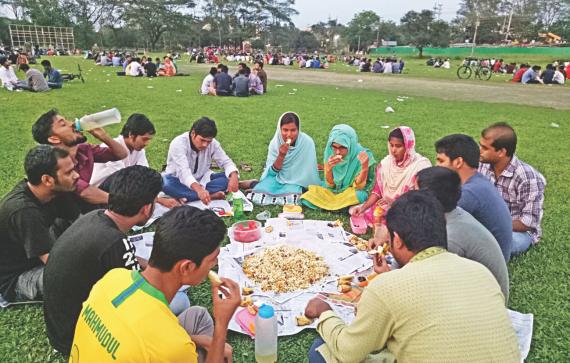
539	279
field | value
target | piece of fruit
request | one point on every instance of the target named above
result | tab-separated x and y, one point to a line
302	320
214	278
344	288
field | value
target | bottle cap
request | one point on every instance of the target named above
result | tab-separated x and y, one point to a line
77	125
266	311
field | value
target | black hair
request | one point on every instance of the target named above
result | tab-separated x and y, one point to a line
243	65
205	127
24	67
288	118
418	218
185	233
132	188
444	183
260	64
504	138
397	134
213	71
3	60
536	68
137	125
242	71
459	145
42	160
224	68
46	63
41	130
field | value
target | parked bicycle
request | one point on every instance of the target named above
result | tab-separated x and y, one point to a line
472	66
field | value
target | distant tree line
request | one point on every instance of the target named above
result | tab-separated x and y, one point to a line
178	24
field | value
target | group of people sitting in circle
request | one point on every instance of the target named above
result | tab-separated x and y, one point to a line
451	229
34	81
246	82
555	73
439	63
387	65
145	67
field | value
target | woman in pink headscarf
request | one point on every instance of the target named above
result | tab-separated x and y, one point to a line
395	175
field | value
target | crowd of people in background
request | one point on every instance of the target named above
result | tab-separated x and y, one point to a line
34	80
387	65
246	82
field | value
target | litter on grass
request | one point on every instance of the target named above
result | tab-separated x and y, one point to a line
389	109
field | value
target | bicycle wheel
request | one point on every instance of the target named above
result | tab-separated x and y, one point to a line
464	72
484	73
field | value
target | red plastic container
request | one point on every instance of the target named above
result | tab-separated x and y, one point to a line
358	225
246	231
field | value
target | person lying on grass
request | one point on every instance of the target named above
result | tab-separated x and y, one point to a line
291	165
188	173
347	172
438	307
133	308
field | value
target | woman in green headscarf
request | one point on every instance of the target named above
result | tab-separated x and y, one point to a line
347	177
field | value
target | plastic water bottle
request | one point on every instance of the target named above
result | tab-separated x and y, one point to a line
237	208
99	119
266	335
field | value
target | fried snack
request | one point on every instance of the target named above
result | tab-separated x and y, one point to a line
344	288
288	141
285	268
246	291
252	309
346	278
214	278
246	301
382	250
302	320
269	229
338	157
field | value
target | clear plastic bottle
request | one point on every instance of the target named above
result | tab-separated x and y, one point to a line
266	335
237	208
99	119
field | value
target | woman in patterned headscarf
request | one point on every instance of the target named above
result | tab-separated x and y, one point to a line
395	175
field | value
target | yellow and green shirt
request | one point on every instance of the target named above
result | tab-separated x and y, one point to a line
125	319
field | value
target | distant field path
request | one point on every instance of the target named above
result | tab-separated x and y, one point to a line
557	97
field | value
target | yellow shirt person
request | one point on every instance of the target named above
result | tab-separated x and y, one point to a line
125	319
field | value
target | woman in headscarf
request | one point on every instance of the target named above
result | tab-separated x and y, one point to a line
347	177
395	175
291	164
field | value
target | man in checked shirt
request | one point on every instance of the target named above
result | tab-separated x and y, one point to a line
520	185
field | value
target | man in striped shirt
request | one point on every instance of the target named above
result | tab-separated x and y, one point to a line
520	185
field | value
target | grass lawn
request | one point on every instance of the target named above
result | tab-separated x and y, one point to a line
539	279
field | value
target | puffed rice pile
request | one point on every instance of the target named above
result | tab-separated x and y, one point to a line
285	268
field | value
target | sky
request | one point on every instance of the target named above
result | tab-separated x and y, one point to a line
311	11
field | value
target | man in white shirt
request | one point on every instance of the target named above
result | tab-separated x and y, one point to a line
136	69
7	74
559	76
136	134
190	156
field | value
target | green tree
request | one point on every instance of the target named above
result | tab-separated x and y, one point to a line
362	30
422	30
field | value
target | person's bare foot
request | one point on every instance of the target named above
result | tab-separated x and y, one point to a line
217	195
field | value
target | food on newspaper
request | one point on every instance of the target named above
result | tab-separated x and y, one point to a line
343	288
345	283
302	320
269	229
285	268
359	243
246	301
214	278
337	223
246	291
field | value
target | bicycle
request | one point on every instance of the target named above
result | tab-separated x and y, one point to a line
466	70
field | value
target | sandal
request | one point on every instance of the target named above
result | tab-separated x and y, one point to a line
245	167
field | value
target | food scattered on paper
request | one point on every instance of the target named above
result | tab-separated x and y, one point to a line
285	268
246	301
337	223
359	243
246	291
343	288
269	229
214	278
302	320
346	279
